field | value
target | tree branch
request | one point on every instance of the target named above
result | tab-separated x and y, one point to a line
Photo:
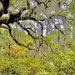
27	46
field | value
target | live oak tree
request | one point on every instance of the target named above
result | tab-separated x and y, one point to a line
45	21
43	35
40	15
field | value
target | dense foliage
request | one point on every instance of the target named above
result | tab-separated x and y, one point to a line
37	37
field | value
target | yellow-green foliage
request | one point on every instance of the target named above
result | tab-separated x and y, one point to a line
18	60
50	40
18	3
17	51
5	39
72	6
4	64
22	37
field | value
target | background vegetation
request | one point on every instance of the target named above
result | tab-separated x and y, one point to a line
37	37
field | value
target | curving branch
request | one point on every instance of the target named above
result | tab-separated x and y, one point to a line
16	41
26	29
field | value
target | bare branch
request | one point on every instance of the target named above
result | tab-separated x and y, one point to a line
27	31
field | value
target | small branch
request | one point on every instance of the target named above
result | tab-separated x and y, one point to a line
49	46
31	30
39	3
27	31
28	4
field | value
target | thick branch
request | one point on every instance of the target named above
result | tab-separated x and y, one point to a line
5	5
